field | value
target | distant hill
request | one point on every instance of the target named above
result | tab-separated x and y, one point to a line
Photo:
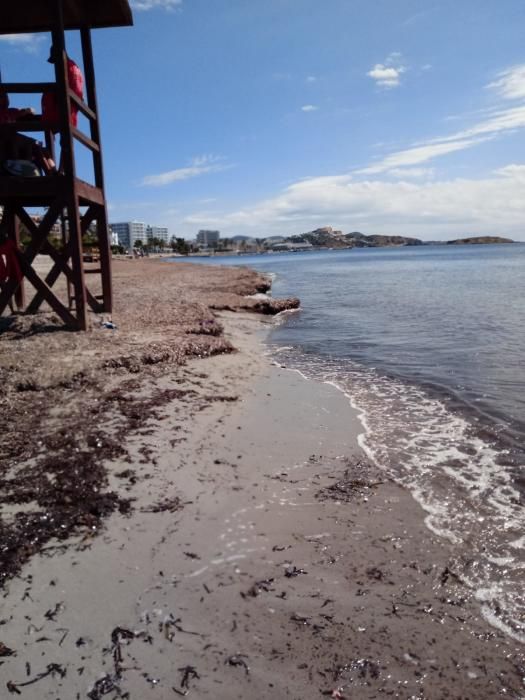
376	241
476	240
327	237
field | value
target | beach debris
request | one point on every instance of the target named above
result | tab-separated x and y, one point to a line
119	635
110	683
188	673
301	619
170	505
169	624
51	670
5	650
263	586
374	573
104	686
53	612
337	693
238	660
352	484
129	474
447	574
109	325
292	571
191	555
149	679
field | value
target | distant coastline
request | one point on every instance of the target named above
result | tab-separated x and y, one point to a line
327	238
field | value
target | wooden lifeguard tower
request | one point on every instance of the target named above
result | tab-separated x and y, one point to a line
68	201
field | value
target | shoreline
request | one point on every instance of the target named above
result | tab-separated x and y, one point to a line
262	558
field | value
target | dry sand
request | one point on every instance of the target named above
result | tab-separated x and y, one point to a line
260	558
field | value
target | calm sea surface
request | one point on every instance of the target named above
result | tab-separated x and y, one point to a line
429	345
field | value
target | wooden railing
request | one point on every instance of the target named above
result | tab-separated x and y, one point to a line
32	125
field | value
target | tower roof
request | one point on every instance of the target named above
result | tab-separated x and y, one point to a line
28	16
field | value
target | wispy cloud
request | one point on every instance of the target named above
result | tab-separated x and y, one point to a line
198	166
388	74
418	155
311	79
309	108
503	120
413	19
30	43
510	83
156	4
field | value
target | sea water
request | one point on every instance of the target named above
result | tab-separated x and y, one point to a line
428	343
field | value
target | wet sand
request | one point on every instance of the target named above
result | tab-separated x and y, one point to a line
261	557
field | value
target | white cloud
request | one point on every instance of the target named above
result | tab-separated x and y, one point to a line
388	74
25	42
154	4
198	166
516	172
412	173
311	79
309	108
435	209
510	83
419	154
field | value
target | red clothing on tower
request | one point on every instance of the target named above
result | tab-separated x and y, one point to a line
50	111
9	267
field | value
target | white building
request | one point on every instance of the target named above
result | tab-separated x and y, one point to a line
113	237
129	232
160	232
208	239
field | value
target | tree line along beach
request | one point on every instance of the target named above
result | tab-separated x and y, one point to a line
182	516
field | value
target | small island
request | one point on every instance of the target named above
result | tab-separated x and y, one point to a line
477	240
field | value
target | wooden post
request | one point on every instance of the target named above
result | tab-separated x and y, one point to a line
67	157
14	234
102	214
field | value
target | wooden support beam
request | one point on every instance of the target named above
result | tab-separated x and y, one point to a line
60	261
28	88
84	140
102	218
68	161
82	106
48	295
32	249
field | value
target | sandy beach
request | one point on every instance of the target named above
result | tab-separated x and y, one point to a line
182	516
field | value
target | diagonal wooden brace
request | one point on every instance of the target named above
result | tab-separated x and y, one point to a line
39	235
60	266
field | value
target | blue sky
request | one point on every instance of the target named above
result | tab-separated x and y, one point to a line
276	117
